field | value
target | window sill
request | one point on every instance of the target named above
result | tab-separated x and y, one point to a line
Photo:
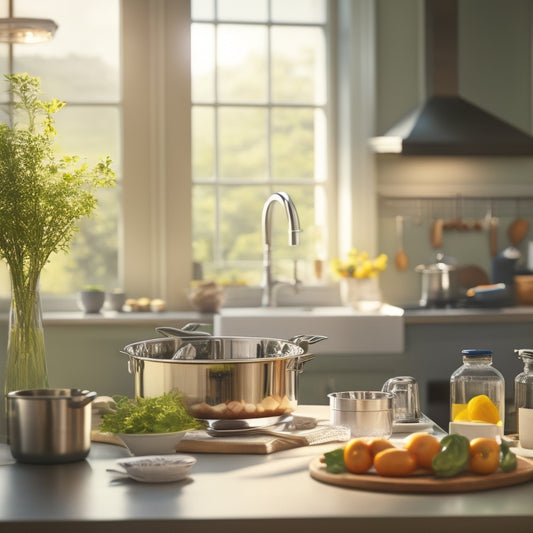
113	318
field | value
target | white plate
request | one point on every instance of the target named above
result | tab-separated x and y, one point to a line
156	468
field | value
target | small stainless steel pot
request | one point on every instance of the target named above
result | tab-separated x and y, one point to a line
49	426
440	284
222	377
367	413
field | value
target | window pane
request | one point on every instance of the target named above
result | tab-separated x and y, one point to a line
93	256
293	142
203	62
90	131
240	233
203	137
243	143
202	9
203	224
298	65
245	10
81	63
242	63
306	252
313	11
93	132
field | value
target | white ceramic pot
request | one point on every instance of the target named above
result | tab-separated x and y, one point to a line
362	294
91	301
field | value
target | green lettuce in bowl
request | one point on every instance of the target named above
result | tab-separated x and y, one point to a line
160	414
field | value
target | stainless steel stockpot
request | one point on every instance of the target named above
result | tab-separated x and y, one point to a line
49	426
221	377
440	284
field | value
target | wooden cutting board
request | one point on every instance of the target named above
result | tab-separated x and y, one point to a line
465	482
200	442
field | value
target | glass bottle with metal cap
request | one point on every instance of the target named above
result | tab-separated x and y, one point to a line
523	393
477	390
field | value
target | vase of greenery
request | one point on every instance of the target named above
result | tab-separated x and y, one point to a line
42	197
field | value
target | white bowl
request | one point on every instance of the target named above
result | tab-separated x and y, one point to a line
157	468
152	443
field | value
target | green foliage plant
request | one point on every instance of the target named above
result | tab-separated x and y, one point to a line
43	195
159	414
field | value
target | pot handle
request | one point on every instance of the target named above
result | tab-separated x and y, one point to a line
298	362
82	400
310	339
189	330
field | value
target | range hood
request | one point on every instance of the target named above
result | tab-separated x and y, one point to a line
447	124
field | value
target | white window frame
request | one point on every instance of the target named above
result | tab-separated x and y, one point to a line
157	258
156	229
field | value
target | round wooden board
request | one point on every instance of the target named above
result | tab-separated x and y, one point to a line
465	482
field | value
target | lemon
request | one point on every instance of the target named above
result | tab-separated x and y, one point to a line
459	409
481	409
462	415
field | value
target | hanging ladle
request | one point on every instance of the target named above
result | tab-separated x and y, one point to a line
401	260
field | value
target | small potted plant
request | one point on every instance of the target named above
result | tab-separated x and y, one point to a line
91	299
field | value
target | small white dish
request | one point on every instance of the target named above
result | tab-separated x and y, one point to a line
151	443
156	468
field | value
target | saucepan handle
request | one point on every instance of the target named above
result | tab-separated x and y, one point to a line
83	399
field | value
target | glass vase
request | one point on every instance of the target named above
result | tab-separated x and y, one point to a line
26	355
363	294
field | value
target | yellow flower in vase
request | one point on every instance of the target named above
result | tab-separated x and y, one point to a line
359	284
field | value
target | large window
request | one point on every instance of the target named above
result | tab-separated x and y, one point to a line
221	102
80	66
259	125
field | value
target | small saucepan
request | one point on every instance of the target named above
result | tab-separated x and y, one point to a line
48	426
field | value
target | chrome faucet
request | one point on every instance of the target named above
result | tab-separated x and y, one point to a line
269	284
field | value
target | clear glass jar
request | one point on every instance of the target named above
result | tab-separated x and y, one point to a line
523	394
477	377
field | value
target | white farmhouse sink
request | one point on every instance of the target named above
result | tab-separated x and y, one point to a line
348	331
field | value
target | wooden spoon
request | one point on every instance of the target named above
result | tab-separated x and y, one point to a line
517	230
401	260
436	233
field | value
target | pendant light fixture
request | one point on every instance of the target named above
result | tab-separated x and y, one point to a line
17	30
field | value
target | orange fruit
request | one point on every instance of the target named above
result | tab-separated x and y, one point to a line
481	409
376	445
424	447
484	455
395	462
357	456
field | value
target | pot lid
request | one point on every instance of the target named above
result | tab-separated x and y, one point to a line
436	268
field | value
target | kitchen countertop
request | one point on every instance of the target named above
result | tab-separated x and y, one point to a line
469	315
237	493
